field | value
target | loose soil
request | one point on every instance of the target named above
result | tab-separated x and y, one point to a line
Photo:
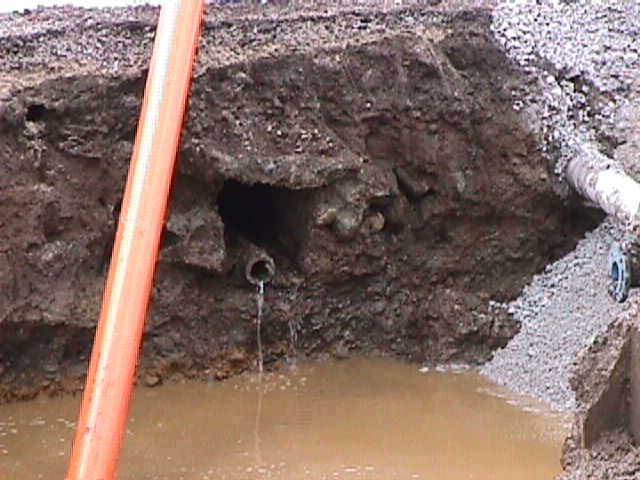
402	166
375	154
601	444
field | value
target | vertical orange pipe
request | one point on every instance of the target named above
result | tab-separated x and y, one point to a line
107	395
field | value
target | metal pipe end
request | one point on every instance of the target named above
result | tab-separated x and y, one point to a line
260	269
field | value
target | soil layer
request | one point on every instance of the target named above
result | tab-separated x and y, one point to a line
375	154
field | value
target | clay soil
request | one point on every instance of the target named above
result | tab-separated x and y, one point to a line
374	153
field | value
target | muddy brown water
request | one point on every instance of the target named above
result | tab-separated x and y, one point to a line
369	419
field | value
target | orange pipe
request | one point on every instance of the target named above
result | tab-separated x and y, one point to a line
112	370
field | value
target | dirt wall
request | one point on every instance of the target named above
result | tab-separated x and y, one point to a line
602	443
375	154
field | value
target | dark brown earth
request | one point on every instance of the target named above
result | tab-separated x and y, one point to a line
601	444
375	154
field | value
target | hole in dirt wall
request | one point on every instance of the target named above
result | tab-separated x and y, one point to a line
271	217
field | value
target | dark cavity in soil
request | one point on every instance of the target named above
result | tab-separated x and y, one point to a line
263	215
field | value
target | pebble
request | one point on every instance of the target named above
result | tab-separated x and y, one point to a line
151	380
567	45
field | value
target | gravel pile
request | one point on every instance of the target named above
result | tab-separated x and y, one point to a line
595	40
585	57
561	312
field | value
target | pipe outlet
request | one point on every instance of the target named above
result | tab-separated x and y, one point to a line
260	268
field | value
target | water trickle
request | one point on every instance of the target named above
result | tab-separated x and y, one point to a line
260	302
294	326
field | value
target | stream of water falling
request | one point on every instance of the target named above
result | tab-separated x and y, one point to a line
260	302
294	326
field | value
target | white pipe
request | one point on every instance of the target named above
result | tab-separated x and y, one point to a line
605	183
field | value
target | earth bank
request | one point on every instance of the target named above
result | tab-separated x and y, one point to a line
401	194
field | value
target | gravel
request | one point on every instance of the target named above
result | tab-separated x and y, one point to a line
561	311
117	41
584	56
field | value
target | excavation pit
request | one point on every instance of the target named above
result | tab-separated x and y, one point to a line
390	178
383	159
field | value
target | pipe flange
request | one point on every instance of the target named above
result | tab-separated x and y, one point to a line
620	272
